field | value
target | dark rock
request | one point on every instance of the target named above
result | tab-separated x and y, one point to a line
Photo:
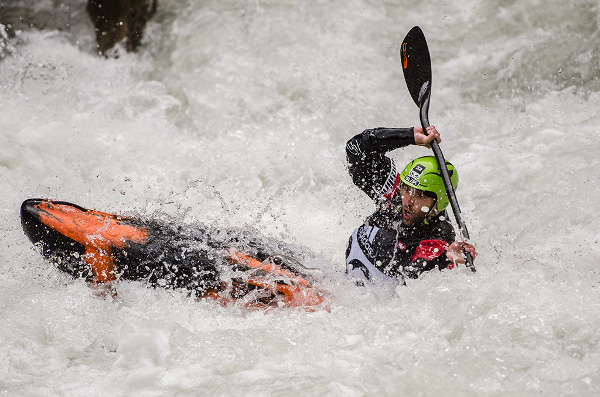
120	21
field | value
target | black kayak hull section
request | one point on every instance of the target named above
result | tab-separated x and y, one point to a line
103	247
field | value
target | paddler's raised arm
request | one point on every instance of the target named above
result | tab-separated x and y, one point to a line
378	141
370	169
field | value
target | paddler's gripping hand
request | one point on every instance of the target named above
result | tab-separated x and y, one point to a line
422	139
456	251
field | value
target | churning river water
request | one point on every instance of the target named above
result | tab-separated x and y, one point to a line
236	113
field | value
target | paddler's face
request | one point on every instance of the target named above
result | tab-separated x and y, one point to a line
415	205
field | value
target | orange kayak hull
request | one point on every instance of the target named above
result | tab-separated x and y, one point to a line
103	247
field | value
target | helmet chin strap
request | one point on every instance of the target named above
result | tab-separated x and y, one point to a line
432	212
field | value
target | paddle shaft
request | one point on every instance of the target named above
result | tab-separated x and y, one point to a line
437	151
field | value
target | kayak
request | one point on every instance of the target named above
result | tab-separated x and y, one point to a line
226	265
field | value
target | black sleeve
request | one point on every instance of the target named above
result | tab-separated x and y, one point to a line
369	168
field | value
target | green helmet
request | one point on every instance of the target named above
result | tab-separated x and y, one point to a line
424	174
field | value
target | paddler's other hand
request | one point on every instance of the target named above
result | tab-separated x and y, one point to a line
424	140
456	251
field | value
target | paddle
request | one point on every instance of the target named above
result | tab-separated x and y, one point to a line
416	64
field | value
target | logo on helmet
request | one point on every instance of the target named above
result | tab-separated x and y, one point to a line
414	174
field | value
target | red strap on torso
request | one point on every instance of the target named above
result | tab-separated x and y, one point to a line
390	195
430	249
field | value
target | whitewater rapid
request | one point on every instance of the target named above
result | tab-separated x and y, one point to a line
236	113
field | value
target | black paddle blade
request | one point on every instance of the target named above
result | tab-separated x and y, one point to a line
416	64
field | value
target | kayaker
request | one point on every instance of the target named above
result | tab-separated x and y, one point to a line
409	233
